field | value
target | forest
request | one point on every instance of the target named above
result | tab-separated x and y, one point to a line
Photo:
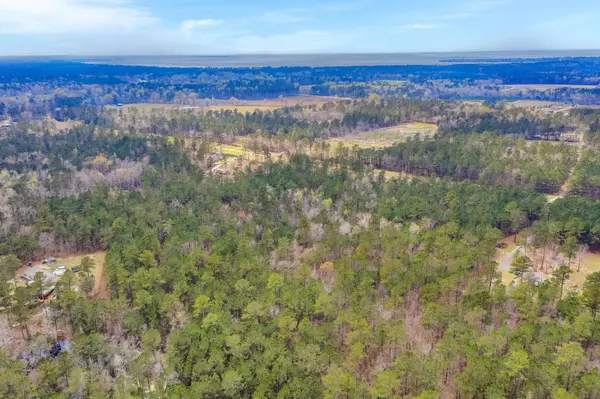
487	159
230	252
66	84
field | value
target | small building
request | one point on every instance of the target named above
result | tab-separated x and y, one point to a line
49	280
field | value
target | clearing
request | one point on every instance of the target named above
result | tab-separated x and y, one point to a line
69	262
581	267
544	105
241	106
386	137
389	174
545	87
590	263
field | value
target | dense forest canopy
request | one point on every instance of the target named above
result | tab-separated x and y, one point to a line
398	243
57	84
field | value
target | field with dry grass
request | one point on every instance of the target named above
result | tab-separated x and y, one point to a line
539	104
70	261
386	137
232	105
590	264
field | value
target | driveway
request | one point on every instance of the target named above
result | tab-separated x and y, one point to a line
505	263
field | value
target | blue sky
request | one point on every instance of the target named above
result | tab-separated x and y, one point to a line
112	27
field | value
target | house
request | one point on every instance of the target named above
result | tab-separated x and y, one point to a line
49	280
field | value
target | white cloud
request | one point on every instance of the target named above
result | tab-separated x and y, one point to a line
199	24
70	16
422	26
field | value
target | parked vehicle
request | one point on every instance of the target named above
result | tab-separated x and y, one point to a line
75	269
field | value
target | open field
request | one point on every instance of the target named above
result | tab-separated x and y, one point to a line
239	105
69	262
233	150
395	175
590	264
539	104
548	87
386	137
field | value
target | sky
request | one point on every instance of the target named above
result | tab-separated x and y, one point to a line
206	27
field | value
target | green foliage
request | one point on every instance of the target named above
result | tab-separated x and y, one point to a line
306	280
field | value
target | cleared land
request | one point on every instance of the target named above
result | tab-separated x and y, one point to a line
551	105
386	137
231	105
581	268
69	262
589	264
545	87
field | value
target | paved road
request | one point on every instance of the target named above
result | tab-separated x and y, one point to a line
505	263
556	198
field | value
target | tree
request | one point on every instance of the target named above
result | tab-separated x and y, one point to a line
14	382
201	305
339	384
591	293
385	385
591	299
561	274
91	348
541	238
516	218
86	266
520	265
569	360
147	259
232	383
570	247
21	308
86	284
9	264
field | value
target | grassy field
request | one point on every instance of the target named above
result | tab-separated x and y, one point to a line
240	106
144	107
386	137
395	175
232	150
550	105
589	265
